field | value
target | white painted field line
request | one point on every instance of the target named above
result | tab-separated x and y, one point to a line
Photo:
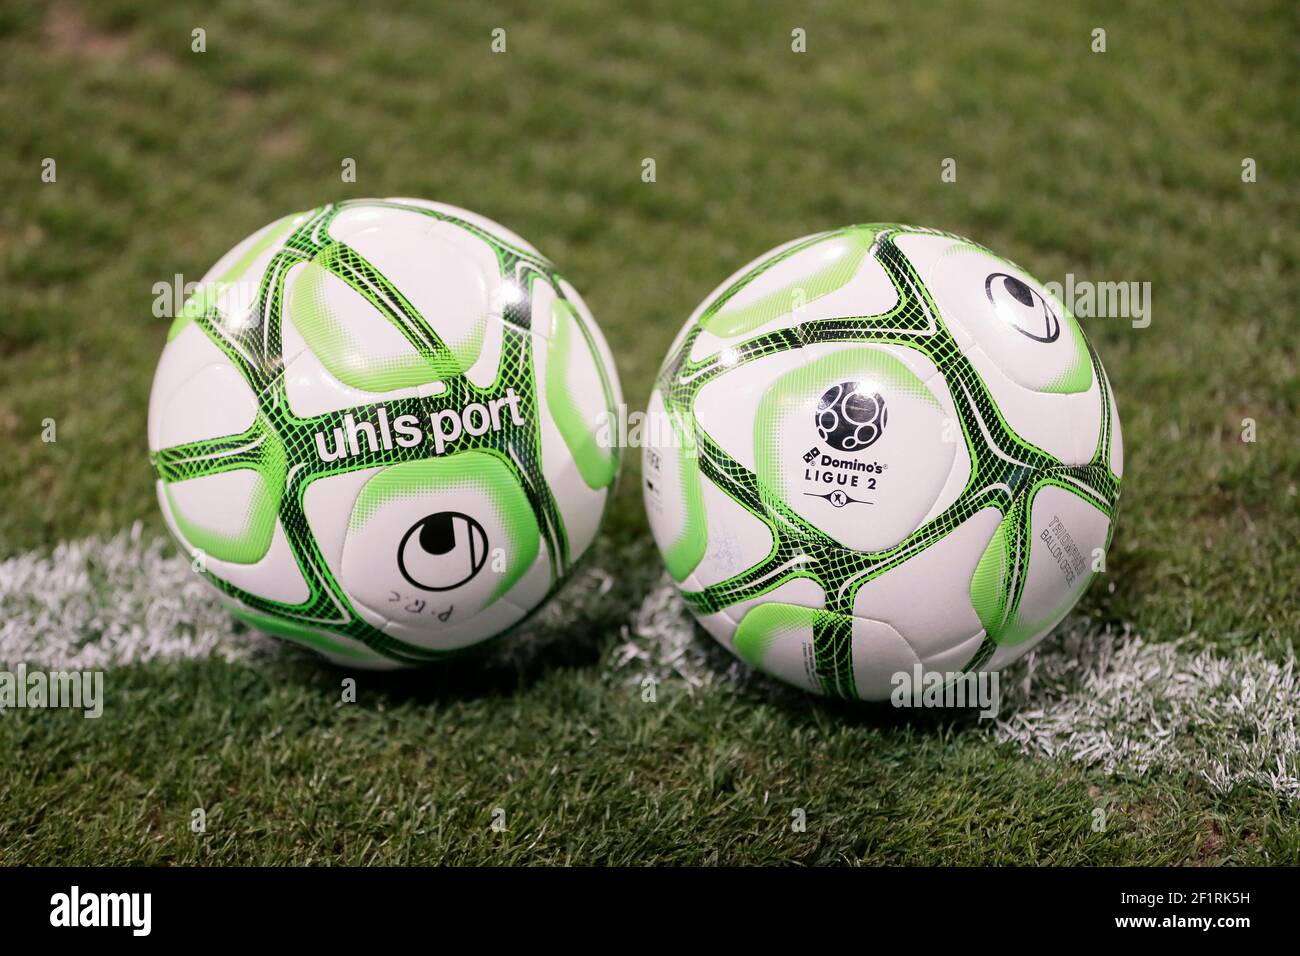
1106	700
1111	701
660	641
100	602
1116	702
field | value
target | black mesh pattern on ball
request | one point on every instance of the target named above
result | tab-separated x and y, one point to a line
1005	469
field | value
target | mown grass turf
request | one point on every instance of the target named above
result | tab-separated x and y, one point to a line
414	772
1117	166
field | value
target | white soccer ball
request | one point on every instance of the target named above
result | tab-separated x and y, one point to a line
375	428
886	447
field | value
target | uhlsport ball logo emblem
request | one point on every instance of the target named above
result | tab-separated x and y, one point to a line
849	418
1021	307
442	551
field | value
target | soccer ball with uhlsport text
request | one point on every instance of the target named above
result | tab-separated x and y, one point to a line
884	447
375	426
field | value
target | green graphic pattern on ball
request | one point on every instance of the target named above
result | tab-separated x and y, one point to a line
1006	471
278	446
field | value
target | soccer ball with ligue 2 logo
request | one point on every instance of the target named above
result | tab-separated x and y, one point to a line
375	426
888	448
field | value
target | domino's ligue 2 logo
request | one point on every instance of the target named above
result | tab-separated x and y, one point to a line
851	418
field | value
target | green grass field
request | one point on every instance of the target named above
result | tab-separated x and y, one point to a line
1116	166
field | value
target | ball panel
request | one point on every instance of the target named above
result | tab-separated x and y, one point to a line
311	389
229	515
1026	346
604	357
1062	532
831	276
437	620
926	599
275	576
216	402
671	488
579	397
724	409
183	410
1068	533
431	543
499	232
1064	426
721	624
435	269
486	372
1084	418
357	343
982	298
957	657
580	505
779	639
959	475
853	429
879	653
923	367
337	648
736	539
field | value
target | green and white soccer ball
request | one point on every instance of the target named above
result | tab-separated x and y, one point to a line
882	446
375	426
